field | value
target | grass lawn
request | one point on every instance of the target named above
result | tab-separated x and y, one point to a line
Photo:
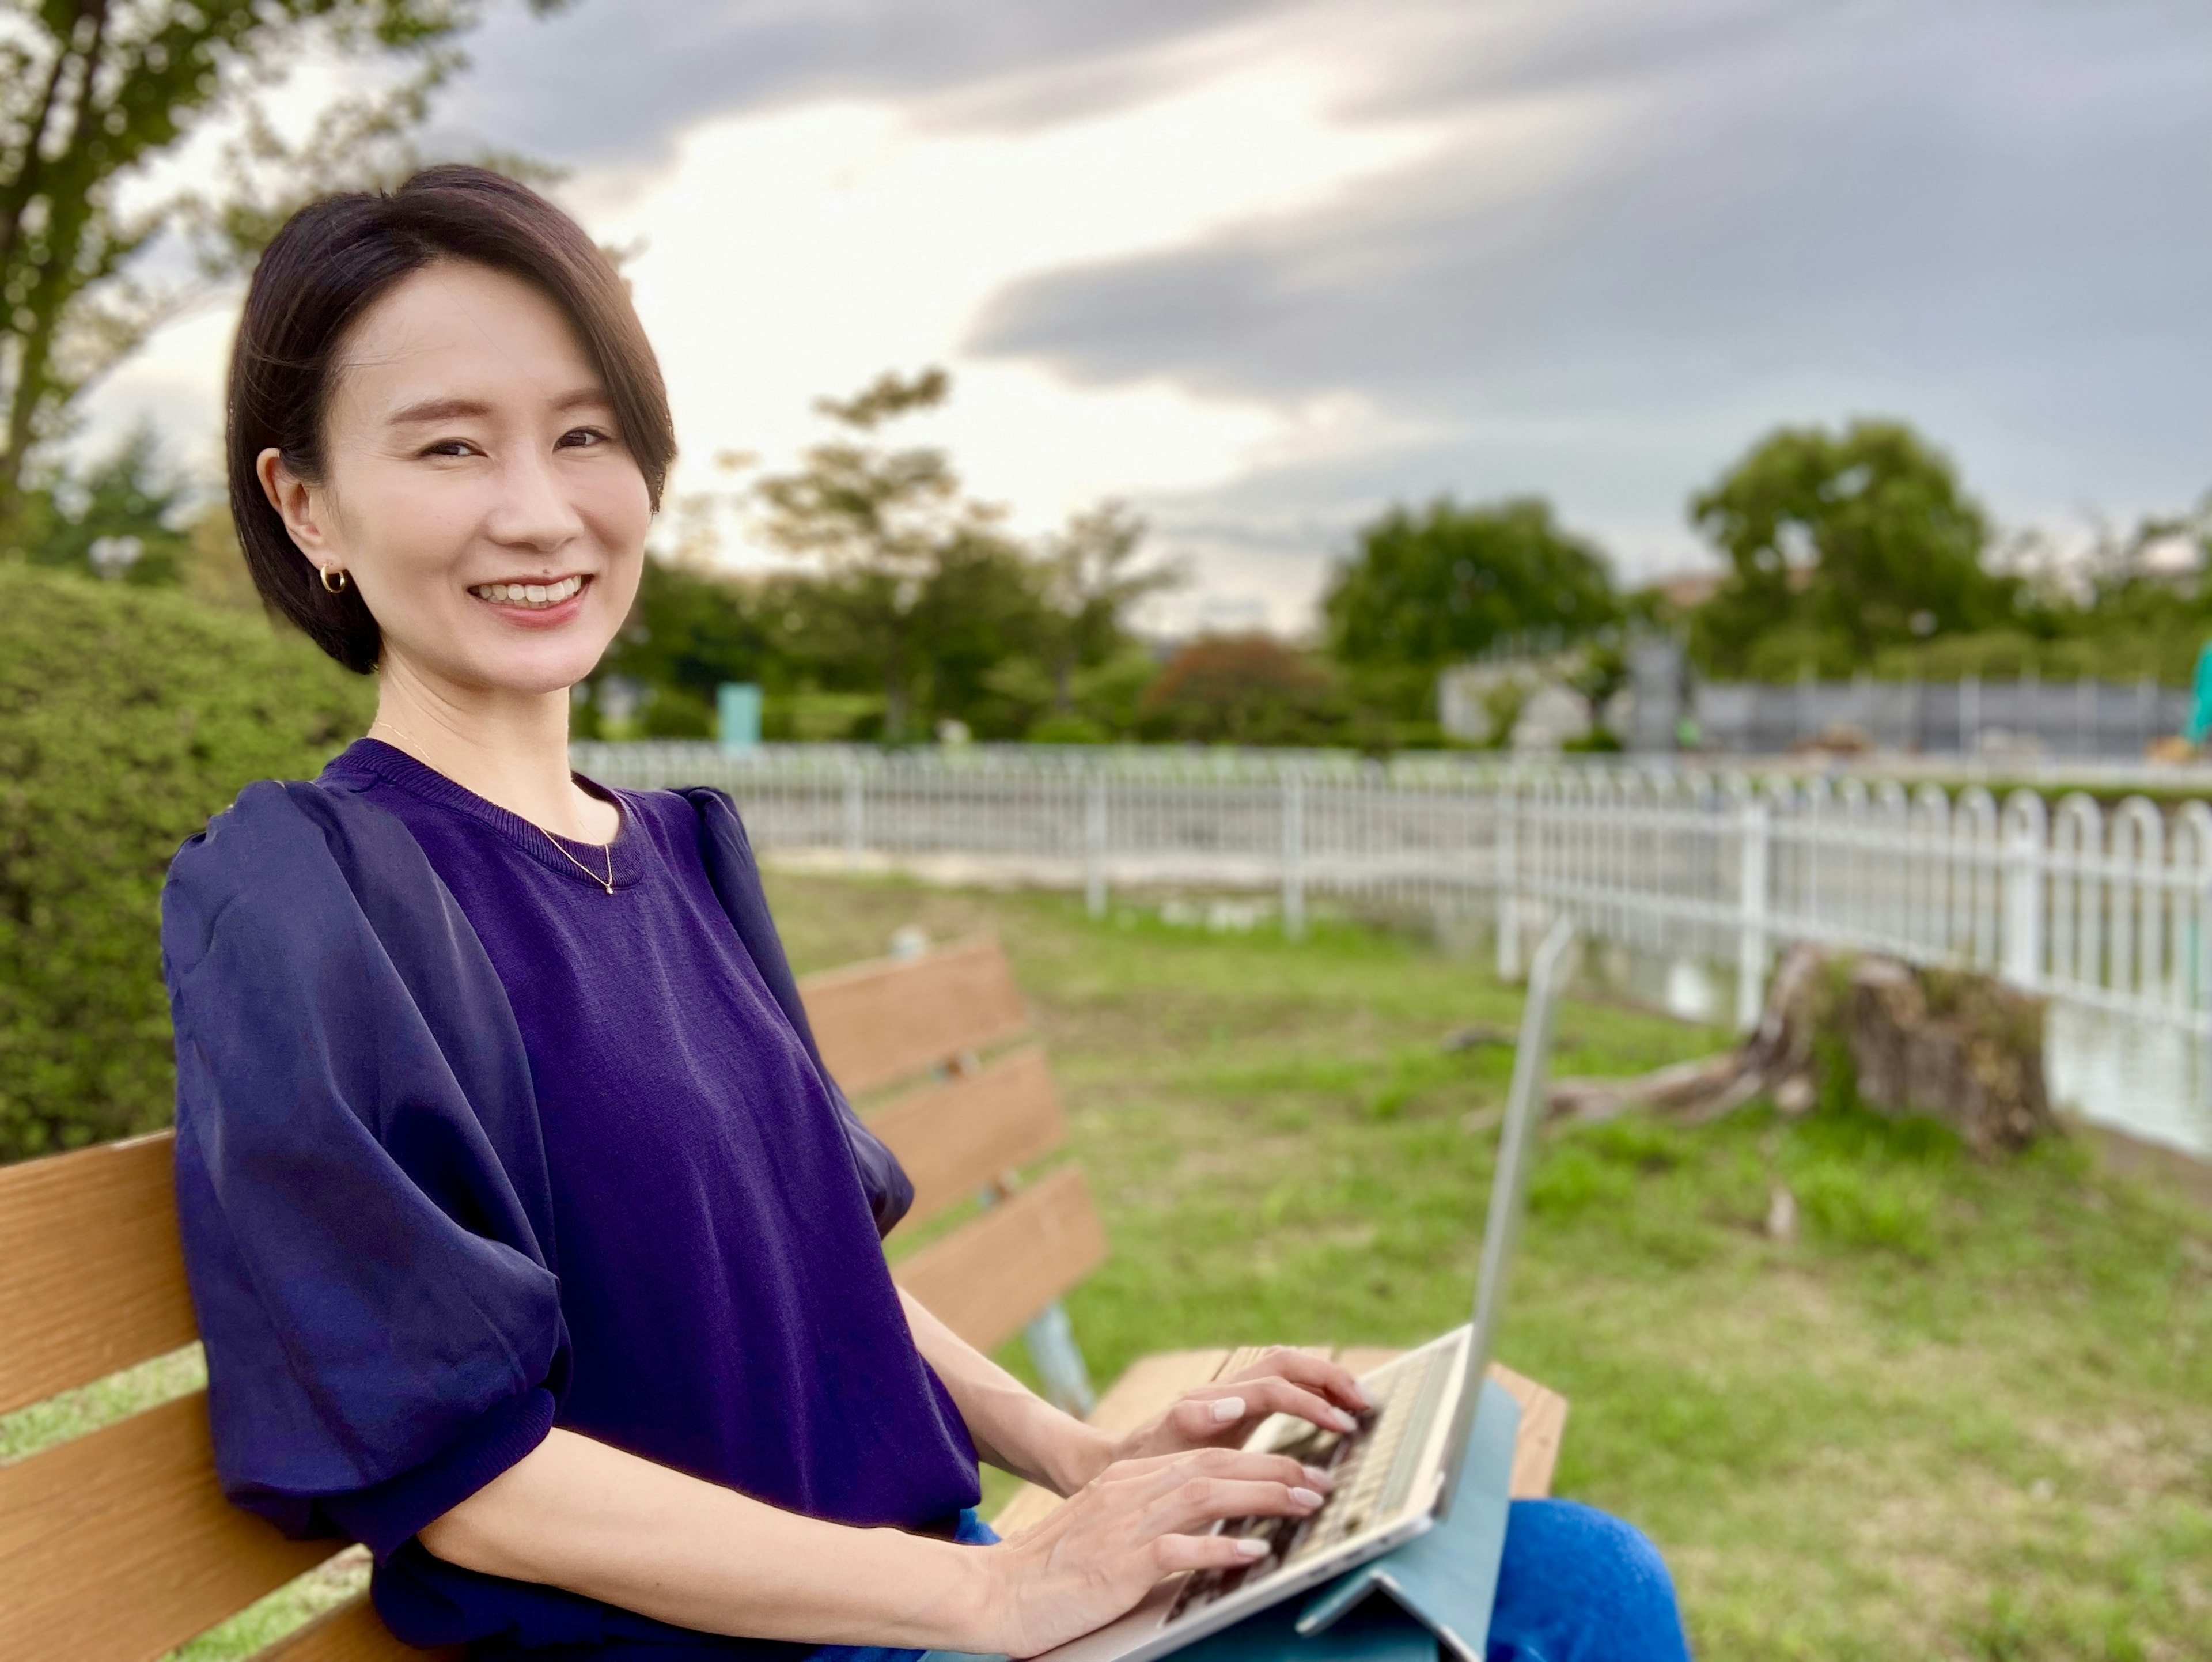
1968	1414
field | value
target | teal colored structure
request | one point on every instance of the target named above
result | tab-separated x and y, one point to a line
738	715
2200	703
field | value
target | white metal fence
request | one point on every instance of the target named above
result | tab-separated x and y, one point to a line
2107	908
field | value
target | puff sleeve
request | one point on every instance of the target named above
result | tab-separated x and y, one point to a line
360	1188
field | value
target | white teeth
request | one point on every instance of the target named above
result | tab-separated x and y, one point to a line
528	594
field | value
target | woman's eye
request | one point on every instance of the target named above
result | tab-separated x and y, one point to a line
450	447
580	438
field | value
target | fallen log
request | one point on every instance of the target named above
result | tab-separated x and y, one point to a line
1772	1062
1962	1048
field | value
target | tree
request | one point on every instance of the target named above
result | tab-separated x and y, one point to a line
94	92
689	630
1241	690
118	517
981	613
1091	590
884	522
1435	587
1865	537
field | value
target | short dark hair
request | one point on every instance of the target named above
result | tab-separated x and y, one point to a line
331	261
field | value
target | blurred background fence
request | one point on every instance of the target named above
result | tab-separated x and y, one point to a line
1969	716
2101	906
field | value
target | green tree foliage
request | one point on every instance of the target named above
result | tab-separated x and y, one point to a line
881	521
129	497
1092	584
128	716
1840	545
1248	689
689	630
919	592
1437	587
93	93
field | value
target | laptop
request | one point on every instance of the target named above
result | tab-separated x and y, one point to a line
1395	1471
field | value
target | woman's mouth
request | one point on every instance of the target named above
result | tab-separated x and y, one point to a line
535	597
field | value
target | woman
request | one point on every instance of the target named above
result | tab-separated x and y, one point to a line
531	1243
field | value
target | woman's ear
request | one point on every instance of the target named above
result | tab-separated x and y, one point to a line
294	502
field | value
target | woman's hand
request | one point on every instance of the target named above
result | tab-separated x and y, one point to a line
1140	1519
1223	1414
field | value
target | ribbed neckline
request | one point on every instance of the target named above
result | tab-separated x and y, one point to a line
396	767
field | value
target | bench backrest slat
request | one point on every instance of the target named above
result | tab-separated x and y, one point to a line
992	1274
91	1280
879	1022
957	1138
117	1546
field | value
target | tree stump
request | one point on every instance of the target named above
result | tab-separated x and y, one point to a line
1961	1048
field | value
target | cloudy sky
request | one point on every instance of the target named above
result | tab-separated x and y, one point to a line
1264	267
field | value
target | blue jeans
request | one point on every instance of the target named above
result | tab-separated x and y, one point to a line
1579	1585
1575	1585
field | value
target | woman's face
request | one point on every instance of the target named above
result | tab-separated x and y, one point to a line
475	488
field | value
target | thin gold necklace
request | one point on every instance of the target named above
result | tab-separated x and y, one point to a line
606	882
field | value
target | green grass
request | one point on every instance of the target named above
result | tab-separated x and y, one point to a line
1967	1413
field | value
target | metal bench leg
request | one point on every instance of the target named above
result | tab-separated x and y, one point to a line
1059	1359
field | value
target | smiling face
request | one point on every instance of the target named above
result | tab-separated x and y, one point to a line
475	488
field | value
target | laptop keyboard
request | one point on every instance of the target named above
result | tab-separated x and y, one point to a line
1374	1465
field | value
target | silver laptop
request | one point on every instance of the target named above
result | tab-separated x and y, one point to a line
1395	1472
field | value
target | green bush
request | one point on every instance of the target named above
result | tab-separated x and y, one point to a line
128	716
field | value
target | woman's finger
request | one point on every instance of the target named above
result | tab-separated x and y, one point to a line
1199	1502
1172	1553
1220	1411
1144	1479
1317	1374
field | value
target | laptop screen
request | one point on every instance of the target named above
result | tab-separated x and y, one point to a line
1509	1189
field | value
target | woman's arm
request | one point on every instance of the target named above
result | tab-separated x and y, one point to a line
1012	1428
1017	1431
579	1514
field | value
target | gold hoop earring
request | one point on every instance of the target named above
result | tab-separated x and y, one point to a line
337	588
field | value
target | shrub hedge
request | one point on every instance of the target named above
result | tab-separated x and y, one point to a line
128	716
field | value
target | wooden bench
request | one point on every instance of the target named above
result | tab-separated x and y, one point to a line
116	1546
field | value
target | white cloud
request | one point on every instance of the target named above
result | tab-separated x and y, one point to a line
799	253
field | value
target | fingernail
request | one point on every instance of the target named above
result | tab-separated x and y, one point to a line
1250	1548
1320	1479
1226	1409
1345	1422
1305	1497
1366	1398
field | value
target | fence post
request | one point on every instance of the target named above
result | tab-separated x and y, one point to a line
1751	907
1294	855
856	811
1094	844
2021	952
1509	908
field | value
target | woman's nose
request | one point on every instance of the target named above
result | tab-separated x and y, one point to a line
534	509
